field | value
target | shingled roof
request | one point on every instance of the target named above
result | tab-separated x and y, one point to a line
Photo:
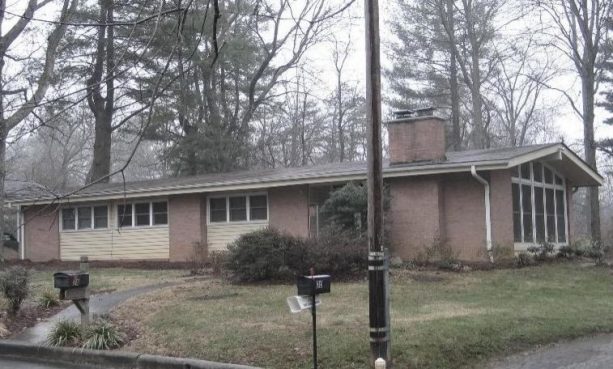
461	161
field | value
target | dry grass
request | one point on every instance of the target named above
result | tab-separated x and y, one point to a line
443	320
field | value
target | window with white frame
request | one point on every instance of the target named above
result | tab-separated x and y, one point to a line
85	217
238	208
539	204
142	214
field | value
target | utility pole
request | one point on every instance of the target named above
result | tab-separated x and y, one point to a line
378	262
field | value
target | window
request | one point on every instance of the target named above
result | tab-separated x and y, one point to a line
160	213
539	204
68	219
218	211
238	209
244	208
258	207
84	216
142	215
124	215
101	217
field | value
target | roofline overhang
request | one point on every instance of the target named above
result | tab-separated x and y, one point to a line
561	151
390	172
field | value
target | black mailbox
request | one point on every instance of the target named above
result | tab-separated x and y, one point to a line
313	285
70	279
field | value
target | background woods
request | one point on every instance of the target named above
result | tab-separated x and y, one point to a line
145	89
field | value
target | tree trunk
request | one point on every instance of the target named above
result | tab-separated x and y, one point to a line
102	107
453	83
587	93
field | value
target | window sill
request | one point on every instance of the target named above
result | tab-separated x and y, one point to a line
254	222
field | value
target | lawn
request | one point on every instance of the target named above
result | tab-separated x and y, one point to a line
101	280
439	320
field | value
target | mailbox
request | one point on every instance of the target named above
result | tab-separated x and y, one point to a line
70	279
313	285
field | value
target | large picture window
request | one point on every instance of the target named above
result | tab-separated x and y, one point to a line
84	218
238	208
539	204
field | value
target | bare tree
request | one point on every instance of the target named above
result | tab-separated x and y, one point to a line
18	100
579	32
516	89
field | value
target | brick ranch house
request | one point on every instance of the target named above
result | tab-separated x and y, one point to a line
473	200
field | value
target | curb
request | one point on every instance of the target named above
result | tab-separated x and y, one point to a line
104	359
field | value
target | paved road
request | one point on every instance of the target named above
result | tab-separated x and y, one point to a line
98	304
584	353
15	364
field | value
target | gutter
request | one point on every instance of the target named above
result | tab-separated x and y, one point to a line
488	212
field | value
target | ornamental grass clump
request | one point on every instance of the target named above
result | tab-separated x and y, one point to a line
103	335
65	333
48	300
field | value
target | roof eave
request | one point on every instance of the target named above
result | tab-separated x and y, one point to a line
390	172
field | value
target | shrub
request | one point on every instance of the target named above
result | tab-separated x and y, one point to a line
439	252
271	255
262	254
197	260
15	287
542	252
103	335
523	259
341	253
48	299
597	251
65	333
566	252
217	260
346	207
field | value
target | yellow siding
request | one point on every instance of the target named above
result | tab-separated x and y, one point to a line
220	235
116	244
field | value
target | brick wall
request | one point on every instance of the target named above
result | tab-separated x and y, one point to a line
414	218
416	139
42	233
289	209
464	218
502	208
186	222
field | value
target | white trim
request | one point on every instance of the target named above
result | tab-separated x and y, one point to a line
133	204
520	182
488	212
227	196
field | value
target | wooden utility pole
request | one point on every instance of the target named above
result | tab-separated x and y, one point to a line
378	286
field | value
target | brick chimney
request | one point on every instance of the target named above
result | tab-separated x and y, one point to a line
416	135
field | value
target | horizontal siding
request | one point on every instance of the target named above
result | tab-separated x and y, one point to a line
220	235
96	245
142	243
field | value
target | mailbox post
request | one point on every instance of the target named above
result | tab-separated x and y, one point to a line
73	285
310	287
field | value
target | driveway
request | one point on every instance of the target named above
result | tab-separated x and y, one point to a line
585	353
98	304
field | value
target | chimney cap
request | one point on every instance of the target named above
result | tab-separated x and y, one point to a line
414	113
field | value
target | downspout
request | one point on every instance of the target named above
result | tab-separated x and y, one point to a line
20	233
488	213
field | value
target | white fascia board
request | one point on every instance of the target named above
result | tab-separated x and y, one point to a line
390	172
565	153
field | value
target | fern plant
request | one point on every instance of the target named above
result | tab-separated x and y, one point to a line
103	335
65	333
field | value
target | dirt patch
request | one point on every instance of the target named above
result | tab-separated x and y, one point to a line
27	317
